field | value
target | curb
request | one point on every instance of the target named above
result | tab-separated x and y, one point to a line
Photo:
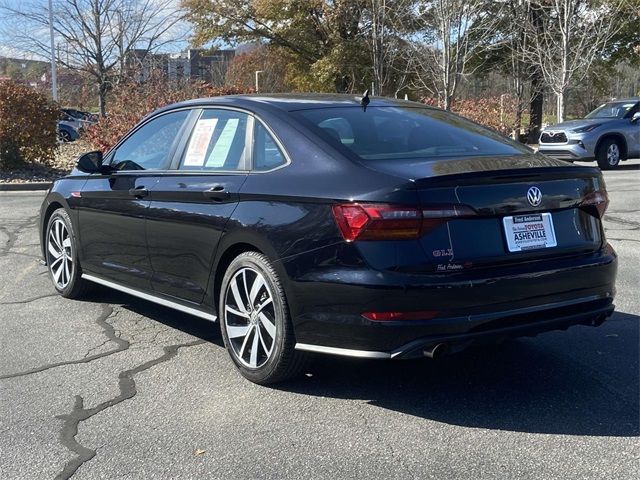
25	187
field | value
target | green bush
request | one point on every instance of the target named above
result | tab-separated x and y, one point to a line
27	126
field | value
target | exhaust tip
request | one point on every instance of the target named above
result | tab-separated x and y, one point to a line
436	351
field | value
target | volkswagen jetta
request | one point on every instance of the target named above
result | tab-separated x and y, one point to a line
334	224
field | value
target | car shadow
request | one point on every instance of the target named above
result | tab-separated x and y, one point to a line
197	327
558	383
627	166
584	381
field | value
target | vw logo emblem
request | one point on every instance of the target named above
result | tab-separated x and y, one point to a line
534	195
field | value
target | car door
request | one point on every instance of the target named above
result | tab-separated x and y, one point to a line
633	132
190	205
114	205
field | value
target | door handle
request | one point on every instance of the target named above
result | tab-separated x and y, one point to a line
217	193
139	192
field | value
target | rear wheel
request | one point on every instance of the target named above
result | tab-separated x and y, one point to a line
62	257
255	322
609	154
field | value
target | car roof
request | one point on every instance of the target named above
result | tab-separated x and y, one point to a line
289	102
630	99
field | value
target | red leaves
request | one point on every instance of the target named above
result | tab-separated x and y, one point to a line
129	102
492	112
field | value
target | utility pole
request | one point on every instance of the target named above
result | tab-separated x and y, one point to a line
54	76
258	72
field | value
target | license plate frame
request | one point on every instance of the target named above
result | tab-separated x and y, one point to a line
534	231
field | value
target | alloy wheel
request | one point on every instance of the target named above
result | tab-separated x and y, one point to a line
613	154
250	318
59	253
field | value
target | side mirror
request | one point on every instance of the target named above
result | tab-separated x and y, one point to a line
636	117
90	162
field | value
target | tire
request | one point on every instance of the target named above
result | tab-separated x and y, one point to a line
64	136
255	322
62	256
609	154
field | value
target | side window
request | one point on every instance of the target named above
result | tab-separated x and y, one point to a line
266	154
217	142
149	146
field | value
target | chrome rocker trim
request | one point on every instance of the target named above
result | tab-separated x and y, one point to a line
150	297
345	352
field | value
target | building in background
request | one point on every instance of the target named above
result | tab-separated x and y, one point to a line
194	63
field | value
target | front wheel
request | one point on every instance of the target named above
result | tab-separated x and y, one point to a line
62	256
609	154
255	322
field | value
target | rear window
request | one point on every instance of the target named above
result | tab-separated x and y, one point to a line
387	133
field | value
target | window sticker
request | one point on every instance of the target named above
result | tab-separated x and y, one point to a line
199	143
220	151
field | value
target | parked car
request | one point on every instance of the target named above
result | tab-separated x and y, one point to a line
80	115
67	131
319	224
610	134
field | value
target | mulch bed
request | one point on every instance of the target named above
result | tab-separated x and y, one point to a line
36	172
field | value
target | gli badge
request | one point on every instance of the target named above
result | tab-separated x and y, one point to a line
534	195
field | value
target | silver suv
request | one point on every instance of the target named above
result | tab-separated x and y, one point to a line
609	134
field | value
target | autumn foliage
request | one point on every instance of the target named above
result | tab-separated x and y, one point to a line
131	101
492	112
27	126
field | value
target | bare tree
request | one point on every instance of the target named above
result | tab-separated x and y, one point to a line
574	34
384	44
443	38
100	36
519	23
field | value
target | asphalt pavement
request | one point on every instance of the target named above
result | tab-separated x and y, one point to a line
116	387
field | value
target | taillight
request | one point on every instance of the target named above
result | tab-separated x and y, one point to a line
377	222
435	215
598	200
364	221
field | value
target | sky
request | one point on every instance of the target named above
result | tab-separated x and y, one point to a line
8	47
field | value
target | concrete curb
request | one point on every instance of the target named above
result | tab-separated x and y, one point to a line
24	187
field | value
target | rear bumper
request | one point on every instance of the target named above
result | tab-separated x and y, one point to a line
500	326
471	308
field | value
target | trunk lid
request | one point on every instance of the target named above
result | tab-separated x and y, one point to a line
500	212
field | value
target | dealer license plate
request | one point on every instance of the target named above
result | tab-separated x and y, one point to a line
528	232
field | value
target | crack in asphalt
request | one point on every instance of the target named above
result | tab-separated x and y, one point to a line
622	221
623	239
23	254
29	300
127	386
109	331
12	233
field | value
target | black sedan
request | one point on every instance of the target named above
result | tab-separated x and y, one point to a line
334	224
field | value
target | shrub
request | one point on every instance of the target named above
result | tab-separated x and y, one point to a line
130	101
27	126
486	111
